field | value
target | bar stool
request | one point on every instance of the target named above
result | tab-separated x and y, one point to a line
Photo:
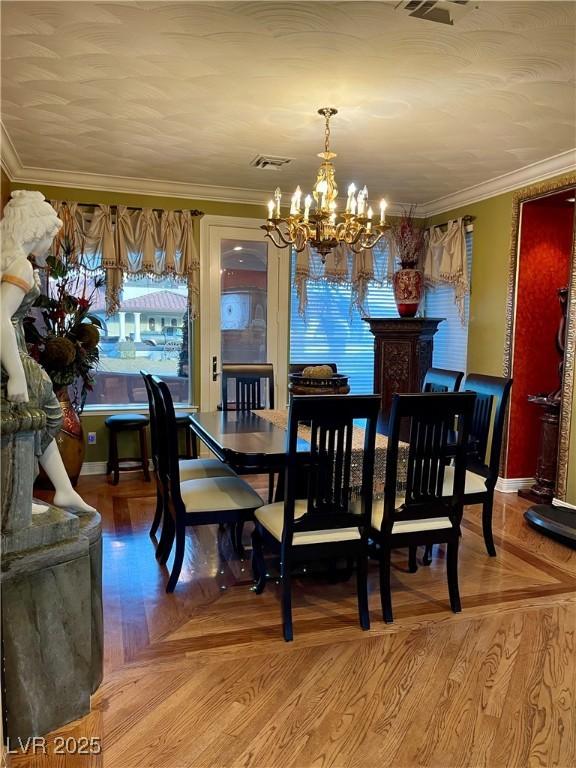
127	422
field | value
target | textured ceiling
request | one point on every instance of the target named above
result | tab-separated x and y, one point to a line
191	92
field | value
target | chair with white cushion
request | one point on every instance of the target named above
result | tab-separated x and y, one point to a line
438	425
190	469
330	518
201	501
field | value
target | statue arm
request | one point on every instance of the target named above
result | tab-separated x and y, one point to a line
13	288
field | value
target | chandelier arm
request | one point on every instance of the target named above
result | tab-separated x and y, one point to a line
371	242
287	240
276	242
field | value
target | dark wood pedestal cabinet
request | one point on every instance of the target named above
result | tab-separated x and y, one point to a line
402	354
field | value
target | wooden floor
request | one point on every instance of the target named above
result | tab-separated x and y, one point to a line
203	679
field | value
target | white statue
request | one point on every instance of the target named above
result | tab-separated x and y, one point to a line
28	227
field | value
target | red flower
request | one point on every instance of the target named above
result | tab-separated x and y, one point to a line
83	303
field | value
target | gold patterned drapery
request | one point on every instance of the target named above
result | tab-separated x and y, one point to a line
131	241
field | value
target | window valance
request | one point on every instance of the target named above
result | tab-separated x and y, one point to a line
136	241
444	263
445	260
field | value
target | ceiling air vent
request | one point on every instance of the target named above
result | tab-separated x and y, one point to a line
440	11
270	162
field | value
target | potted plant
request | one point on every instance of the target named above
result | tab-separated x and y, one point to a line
408	240
65	343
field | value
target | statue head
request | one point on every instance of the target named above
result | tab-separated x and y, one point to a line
28	226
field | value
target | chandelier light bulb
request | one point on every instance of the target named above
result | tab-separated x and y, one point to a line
271	209
383	206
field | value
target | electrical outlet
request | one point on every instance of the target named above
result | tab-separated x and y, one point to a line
91	438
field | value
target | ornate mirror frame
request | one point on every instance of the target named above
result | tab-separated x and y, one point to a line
521	196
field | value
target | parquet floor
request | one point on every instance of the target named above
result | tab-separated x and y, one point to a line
203	679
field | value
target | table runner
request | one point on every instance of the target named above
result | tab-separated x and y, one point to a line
279	417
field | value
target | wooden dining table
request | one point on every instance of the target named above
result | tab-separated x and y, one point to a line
253	441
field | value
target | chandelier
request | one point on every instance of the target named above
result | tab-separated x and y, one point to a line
324	228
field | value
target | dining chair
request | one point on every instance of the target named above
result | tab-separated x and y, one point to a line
252	386
322	522
438	425
203	501
190	469
248	387
485	445
441	380
484	448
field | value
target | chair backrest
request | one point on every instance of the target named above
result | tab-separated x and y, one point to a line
153	418
333	479
438	427
167	436
492	395
253	386
441	380
299	367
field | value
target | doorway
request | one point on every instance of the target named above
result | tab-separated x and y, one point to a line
244	308
544	256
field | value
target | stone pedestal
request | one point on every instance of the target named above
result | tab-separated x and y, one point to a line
51	594
402	354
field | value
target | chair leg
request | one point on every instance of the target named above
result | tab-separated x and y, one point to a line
412	563
362	588
258	562
144	454
157	513
286	600
113	457
236	531
270	487
188	442
193	443
427	559
385	590
166	539
487	526
178	557
452	573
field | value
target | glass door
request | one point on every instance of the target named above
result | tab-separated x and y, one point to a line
244	300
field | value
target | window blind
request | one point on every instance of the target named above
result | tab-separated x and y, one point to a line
451	339
333	332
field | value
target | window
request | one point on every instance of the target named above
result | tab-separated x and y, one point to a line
451	339
333	332
150	332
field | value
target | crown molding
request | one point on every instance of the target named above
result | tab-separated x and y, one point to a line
139	186
529	174
9	159
17	172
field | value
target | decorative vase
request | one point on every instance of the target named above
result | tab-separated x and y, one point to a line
70	442
408	286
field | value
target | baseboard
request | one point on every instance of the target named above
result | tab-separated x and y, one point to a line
559	503
99	467
93	468
513	484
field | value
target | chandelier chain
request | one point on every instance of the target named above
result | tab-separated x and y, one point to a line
327	134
